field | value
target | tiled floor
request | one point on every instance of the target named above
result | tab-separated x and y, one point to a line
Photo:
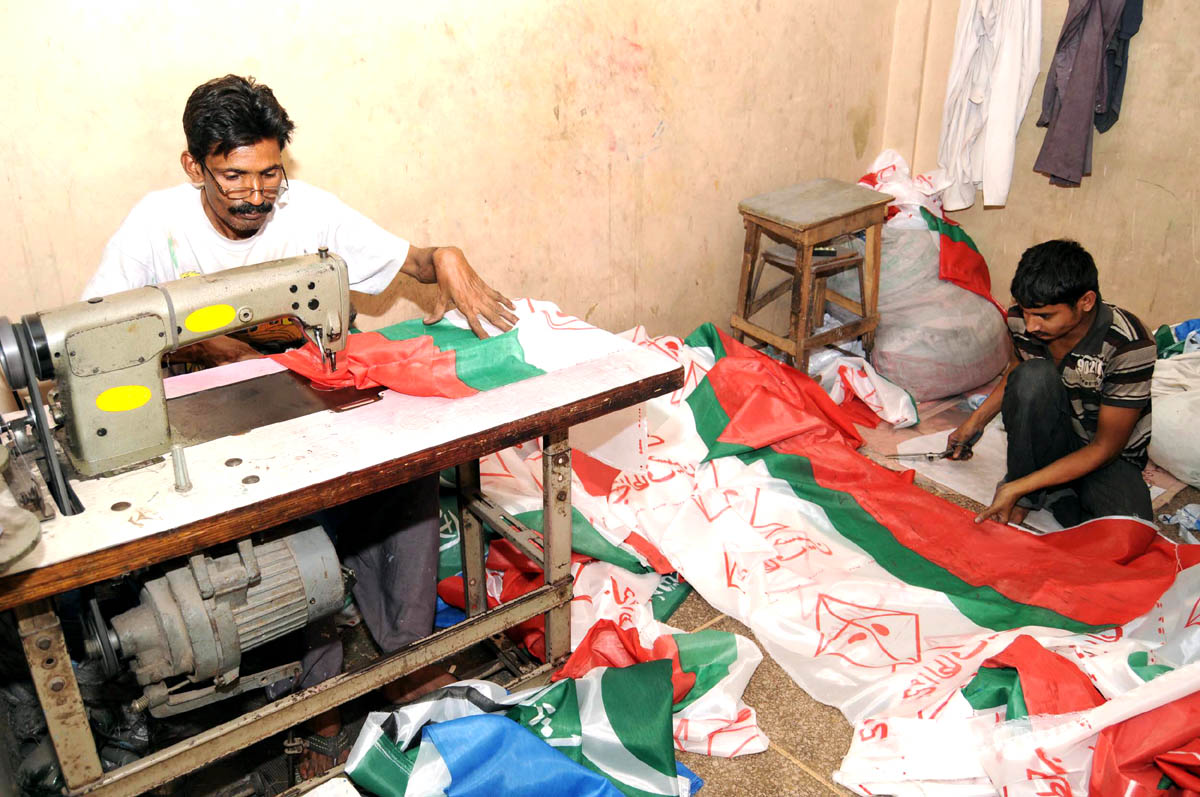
808	739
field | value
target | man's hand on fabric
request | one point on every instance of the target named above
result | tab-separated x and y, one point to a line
1004	507
213	352
459	286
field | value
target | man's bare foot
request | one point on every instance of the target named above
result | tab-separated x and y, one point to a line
312	763
417	683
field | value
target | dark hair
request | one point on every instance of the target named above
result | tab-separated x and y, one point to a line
230	112
1054	272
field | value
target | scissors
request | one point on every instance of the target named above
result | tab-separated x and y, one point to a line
931	456
928	456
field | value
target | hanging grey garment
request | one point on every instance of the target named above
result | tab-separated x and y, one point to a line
1076	89
1116	62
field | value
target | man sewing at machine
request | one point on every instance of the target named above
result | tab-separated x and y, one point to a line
239	208
1075	398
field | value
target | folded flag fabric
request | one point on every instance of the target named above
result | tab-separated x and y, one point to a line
855	386
613	625
446	359
416	366
613	722
959	260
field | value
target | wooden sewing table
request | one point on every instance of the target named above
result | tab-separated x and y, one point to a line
247	483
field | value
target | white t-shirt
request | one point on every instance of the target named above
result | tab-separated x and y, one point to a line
167	236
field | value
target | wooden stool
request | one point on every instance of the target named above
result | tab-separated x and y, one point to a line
803	217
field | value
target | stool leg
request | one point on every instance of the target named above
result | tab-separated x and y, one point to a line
870	282
802	289
816	314
749	260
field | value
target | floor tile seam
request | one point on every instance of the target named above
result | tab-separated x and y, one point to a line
812	773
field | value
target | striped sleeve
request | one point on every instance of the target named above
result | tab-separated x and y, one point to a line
1128	373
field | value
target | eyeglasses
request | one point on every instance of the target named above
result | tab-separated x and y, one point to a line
238	191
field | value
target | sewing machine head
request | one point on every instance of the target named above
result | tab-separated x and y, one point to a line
104	354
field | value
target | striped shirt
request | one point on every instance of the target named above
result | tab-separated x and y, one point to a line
1112	365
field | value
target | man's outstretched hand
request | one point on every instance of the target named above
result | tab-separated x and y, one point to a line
1003	508
459	286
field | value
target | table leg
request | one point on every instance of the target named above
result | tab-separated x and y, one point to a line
802	290
749	262
474	546
556	529
870	283
58	692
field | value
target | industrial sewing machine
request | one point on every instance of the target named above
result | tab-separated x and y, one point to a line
108	412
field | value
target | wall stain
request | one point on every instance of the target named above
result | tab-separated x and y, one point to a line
861	120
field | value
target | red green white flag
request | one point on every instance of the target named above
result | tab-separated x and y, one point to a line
875	596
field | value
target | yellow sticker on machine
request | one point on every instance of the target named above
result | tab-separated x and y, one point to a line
123	398
206	319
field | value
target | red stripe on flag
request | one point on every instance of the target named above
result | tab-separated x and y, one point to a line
414	366
1050	683
650	553
1107	571
780	399
1124	759
608	645
596	477
1182	766
519	577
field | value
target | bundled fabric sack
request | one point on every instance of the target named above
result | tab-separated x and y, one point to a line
934	339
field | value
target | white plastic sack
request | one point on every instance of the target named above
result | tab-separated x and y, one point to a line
847	377
934	339
1174	433
889	174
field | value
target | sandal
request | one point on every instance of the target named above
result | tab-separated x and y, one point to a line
335	747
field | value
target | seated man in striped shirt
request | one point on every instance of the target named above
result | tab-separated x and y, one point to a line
1075	398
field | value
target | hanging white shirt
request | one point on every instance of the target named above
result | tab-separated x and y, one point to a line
997	56
168	236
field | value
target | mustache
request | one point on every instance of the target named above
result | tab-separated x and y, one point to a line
246	209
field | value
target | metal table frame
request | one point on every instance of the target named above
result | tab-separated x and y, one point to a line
50	663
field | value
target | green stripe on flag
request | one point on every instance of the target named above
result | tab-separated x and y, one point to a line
385	769
1139	662
638	709
587	541
952	231
993	687
668	596
706	336
480	363
983	605
708	655
617	724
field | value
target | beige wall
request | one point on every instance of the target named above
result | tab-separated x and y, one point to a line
1138	212
590	153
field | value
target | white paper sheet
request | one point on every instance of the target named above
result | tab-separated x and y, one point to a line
977	477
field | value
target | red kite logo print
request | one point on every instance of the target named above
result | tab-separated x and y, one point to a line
1194	617
867	636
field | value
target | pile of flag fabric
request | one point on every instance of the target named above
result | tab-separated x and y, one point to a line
971	659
